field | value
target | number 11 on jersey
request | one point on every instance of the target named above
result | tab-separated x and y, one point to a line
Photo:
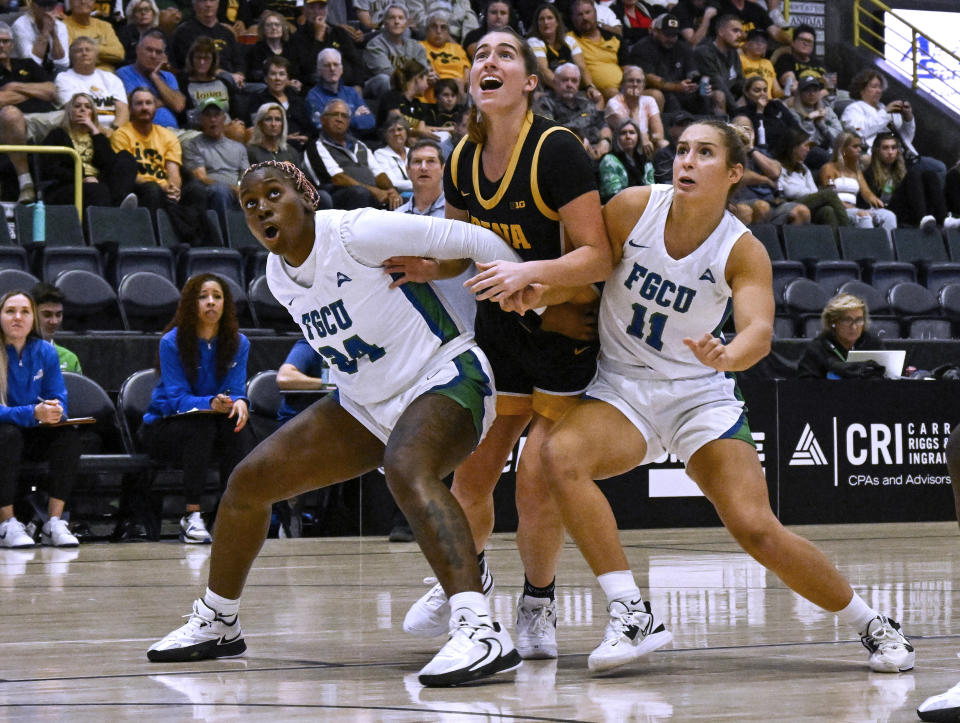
653	339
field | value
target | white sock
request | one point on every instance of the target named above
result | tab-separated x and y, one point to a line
475	602
618	585
25	179
225	606
858	614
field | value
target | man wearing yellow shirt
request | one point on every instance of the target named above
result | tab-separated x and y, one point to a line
601	49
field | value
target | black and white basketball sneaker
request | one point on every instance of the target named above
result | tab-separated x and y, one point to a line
942	708
890	650
477	648
429	616
633	631
205	635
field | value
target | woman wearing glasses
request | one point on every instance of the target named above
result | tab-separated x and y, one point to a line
845	326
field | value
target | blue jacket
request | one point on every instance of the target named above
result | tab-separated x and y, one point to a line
317	100
32	376
175	395
306	360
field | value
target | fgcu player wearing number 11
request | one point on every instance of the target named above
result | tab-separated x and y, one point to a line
415	395
664	383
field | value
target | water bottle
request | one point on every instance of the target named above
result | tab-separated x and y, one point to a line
704	86
788	86
39	223
648	179
317	119
761	134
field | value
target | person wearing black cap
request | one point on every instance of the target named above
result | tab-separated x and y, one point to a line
40	36
815	117
669	65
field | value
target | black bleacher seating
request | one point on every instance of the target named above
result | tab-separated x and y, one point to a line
238	233
5	238
876	302
214	231
166	235
13	257
58	259
872	249
784	327
953	243
226	263
265	399
949	298
11	279
157	259
784	272
886	328
90	303
832	274
911	301
810	243
929	329
769	235
121	226
62	226
924	248
147	301
804	299
269	312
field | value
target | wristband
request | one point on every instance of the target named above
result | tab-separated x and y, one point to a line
539	310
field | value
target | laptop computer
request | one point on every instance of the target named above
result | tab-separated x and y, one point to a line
891	359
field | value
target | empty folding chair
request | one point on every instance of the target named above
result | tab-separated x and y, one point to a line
57	259
90	303
872	250
886	327
784	327
784	272
911	301
13	257
269	313
804	299
61	223
226	263
265	399
832	274
16	280
953	243
156	260
147	301
929	329
120	226
769	235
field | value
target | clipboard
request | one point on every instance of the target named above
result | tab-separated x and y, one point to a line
70	421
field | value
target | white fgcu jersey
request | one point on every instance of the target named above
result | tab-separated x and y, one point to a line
377	340
653	301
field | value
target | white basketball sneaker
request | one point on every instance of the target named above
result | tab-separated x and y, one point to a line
943	708
890	650
477	648
13	534
429	616
206	634
633	631
56	534
536	628
193	530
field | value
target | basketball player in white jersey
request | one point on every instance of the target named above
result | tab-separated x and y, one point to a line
663	384
414	395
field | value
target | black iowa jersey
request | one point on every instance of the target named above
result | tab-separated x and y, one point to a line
548	169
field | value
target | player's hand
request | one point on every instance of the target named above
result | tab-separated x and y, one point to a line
499	280
710	351
411	268
529	297
239	410
577	321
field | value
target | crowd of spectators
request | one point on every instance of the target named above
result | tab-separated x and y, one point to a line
322	84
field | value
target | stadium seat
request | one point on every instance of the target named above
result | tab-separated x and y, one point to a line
784	272
949	298
832	274
804	299
156	259
11	279
90	303
132	402
872	249
886	274
5	238
929	329
238	234
265	399
147	301
953	243
810	243
120	226
214	231
784	327
769	235
226	263
876	302
58	259
13	257
939	274
886	328
919	246
910	301
62	226
269	313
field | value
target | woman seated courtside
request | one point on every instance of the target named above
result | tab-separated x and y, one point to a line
845	325
33	397
198	411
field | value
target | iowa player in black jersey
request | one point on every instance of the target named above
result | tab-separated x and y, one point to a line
532	183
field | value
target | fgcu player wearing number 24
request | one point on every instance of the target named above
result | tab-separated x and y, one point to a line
415	396
664	383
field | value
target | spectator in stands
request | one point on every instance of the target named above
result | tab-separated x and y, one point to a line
845	323
407	84
198	411
771	118
344	166
693	19
720	62
635	17
443	114
25	90
912	192
670	67
815	117
202	79
33	397
601	48
461	17
392	158
796	184
843	174
215	163
317	35
751	15
751	201
273	39
371	13
625	164
753	61
83	76
49	302
498	14
204	24
277	77
631	102
141	15
663	158
109	51
330	86
389	50
108	176
869	116
447	58
457	133
801	61
39	35
269	139
147	72
572	109
553	46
